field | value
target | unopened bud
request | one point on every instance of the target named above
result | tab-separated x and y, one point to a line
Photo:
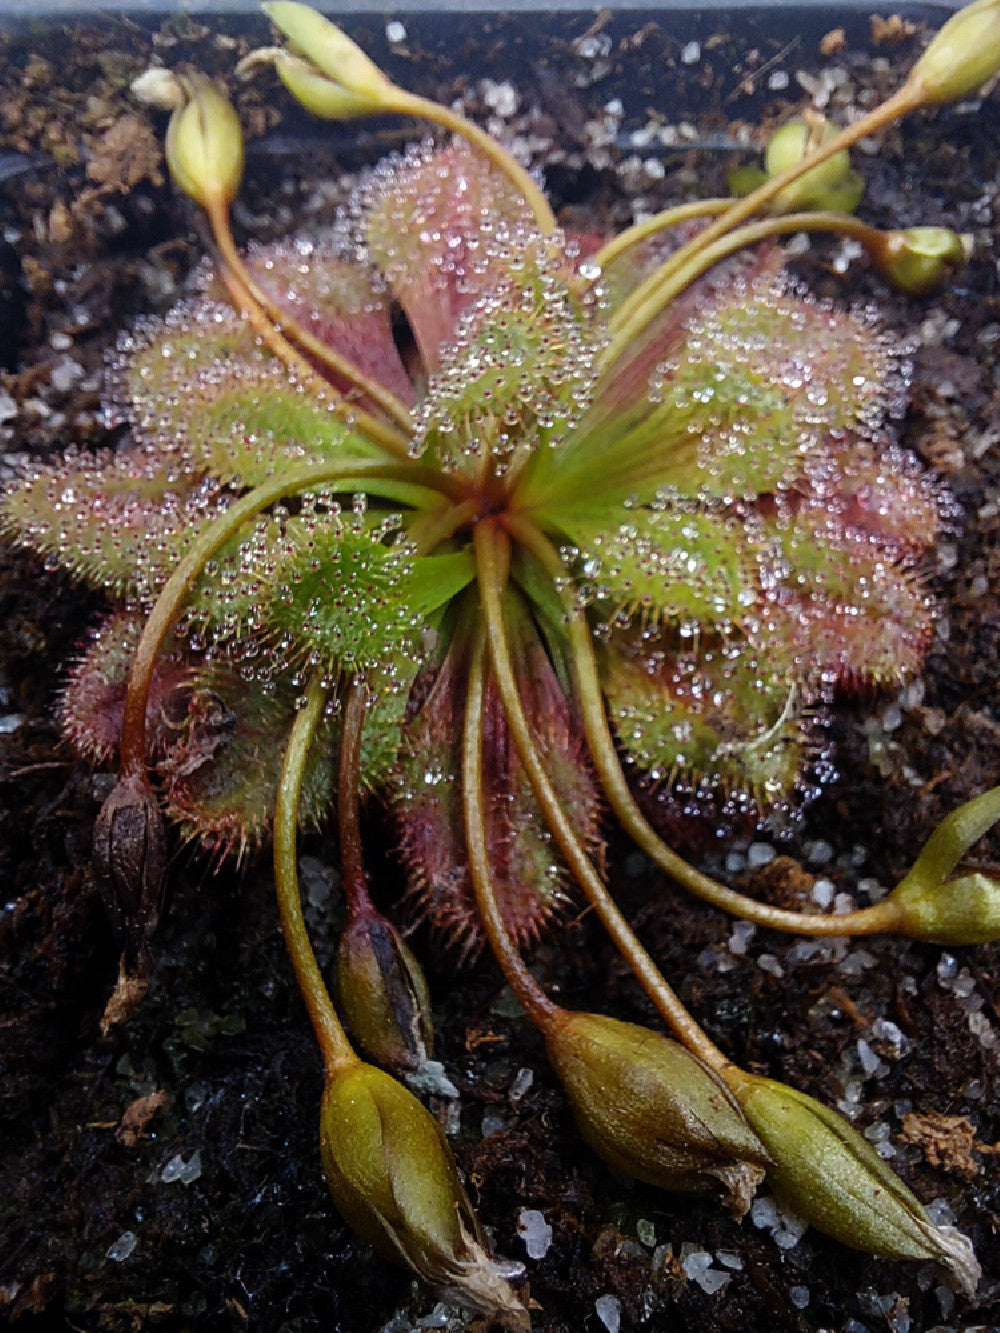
919	260
836	1180
130	858
318	94
393	1177
961	56
205	144
654	1111
324	70
964	910
830	185
383	994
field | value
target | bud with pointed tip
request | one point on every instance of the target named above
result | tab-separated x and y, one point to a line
835	1179
919	260
927	905
130	858
653	1110
324	70
205	144
383	994
320	95
392	1176
961	56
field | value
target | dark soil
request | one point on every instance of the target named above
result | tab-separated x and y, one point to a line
168	1175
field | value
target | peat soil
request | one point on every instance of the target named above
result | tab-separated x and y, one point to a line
167	1175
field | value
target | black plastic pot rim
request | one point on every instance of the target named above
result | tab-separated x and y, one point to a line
40	9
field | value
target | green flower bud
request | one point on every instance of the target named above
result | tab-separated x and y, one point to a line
205	144
966	910
328	73
835	1179
383	994
919	260
392	1176
961	56
744	180
961	911
653	1110
830	185
318	94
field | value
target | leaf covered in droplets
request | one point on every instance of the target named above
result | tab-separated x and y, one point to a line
837	602
715	713
517	374
737	395
441	227
341	303
92	702
198	387
352	598
683	565
736	521
118	522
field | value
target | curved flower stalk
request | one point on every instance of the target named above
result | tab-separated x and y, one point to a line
385	1158
594	517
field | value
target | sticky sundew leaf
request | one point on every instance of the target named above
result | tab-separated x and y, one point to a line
681	565
221	777
92	703
530	879
439	224
518	370
346	590
342	303
755	385
217	730
717	714
841	602
118	522
760	384
196	385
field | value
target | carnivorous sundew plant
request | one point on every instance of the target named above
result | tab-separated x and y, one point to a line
514	529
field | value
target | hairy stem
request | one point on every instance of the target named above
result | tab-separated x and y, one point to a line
334	1046
538	1005
171	600
491	555
868	921
285	325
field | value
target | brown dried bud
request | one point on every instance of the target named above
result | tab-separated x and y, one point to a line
383	994
130	857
